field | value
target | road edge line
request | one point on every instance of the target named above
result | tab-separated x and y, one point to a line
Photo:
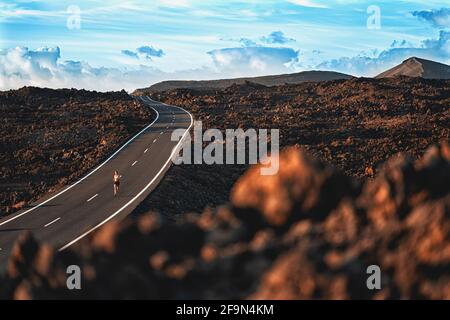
85	177
141	192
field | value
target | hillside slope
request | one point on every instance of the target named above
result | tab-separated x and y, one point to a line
293	78
421	68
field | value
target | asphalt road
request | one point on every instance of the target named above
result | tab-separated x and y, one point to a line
63	218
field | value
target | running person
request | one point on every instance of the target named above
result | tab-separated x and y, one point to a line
116	180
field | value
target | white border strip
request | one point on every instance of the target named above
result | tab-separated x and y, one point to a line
85	177
174	150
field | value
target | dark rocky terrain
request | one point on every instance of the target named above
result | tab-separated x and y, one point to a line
190	188
305	233
275	80
48	138
308	232
354	124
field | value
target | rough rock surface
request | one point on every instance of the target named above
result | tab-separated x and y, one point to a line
308	232
356	125
48	137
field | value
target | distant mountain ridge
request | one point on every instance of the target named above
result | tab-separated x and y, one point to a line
420	68
412	67
292	78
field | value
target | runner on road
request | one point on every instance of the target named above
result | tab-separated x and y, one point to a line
116	179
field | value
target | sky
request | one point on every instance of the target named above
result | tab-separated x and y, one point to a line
113	45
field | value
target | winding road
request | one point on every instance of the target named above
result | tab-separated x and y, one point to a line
63	218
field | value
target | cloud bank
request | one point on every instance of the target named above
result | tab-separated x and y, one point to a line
43	67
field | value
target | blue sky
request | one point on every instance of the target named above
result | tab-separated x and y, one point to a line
134	43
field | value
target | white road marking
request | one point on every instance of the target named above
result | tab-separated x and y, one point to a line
134	163
154	140
92	198
52	222
85	177
161	132
174	150
145	151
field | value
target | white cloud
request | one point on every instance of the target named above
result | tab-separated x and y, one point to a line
144	53
308	3
438	18
174	3
252	61
276	37
14	10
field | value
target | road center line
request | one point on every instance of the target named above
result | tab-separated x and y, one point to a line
52	222
154	140
134	163
146	150
92	197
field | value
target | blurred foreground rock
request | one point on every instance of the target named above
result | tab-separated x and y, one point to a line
307	233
